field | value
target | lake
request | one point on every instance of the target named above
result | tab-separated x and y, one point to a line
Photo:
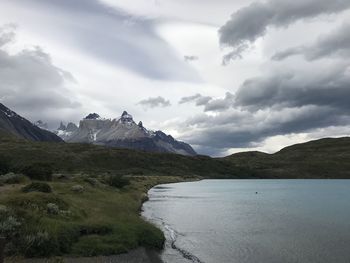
253	221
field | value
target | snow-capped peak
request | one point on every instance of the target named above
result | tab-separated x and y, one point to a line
122	132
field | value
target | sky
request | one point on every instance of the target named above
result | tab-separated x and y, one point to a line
223	75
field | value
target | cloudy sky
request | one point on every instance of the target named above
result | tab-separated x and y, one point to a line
223	75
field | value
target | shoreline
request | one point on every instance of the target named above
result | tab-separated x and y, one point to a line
154	256
137	255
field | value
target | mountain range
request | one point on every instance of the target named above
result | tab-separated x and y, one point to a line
12	123
122	132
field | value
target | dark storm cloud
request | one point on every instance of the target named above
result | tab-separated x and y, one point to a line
334	44
155	102
279	104
251	22
198	99
331	88
209	103
31	84
113	36
247	129
220	104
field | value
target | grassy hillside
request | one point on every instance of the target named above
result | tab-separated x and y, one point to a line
87	208
89	158
76	217
325	158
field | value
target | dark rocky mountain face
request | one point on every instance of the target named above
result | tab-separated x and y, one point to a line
92	116
11	122
123	132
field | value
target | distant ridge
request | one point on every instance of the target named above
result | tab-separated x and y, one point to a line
323	158
12	123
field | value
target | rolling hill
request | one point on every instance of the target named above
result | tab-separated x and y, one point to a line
325	158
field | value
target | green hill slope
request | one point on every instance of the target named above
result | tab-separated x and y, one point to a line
86	157
325	158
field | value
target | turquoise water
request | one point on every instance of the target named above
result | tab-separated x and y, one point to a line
253	221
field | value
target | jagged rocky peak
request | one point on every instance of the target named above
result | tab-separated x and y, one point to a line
92	116
62	127
71	127
126	117
123	132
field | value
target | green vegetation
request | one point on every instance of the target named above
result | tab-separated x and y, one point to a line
101	220
90	200
37	187
11	178
118	181
91	159
325	158
38	171
4	165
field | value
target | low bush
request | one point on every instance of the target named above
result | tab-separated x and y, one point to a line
9	225
40	244
37	187
11	178
150	237
95	229
94	245
77	188
39	171
4	165
36	201
91	181
118	181
52	209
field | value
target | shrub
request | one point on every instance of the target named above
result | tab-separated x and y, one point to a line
37	187
52	209
8	225
77	188
36	202
91	181
4	165
151	237
11	178
40	244
118	181
39	171
95	229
